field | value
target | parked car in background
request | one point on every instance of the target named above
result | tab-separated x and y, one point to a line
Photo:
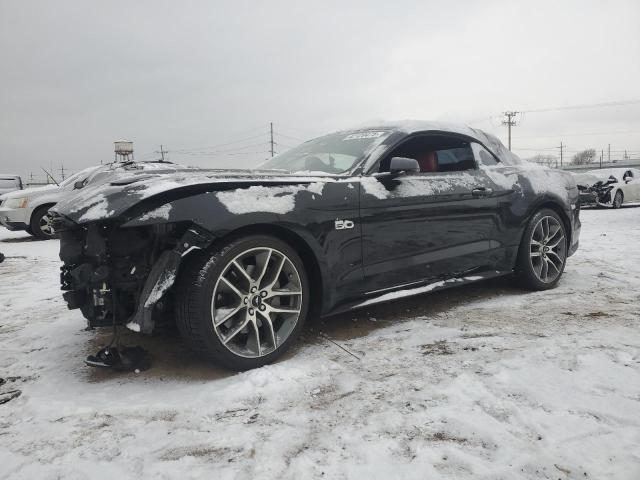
28	209
610	187
239	258
9	183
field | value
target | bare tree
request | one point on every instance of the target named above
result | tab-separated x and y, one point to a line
546	160
584	157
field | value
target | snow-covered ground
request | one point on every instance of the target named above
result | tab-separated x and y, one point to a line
483	381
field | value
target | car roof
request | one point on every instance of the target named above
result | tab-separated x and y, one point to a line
410	127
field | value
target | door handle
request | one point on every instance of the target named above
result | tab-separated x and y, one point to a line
481	192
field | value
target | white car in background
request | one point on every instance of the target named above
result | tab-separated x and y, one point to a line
9	183
616	185
28	209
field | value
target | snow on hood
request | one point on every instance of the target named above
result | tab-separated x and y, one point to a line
113	198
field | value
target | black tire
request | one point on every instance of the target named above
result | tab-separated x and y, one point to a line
35	226
525	270
618	199
195	286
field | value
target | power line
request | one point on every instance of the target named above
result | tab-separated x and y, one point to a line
289	137
221	144
578	107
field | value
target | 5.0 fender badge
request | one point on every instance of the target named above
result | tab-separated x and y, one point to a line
343	224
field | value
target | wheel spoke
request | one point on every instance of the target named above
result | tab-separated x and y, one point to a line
267	321
232	287
280	309
557	263
278	271
243	271
256	332
264	268
551	237
544	273
557	242
227	315
550	262
237	330
283	293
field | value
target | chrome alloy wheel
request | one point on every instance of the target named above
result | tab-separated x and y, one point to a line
548	249
46	225
256	302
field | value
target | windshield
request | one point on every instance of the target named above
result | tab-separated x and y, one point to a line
77	176
333	154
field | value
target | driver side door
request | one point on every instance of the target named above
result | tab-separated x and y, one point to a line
428	226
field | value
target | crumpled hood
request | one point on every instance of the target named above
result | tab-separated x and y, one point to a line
112	199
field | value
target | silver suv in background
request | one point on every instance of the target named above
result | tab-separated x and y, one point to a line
9	183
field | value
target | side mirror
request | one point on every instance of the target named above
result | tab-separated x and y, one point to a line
403	165
78	185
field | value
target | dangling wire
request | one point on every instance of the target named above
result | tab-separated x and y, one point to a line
116	332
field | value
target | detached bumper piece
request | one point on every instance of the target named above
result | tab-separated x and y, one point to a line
123	359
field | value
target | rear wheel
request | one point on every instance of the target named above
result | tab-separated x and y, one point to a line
543	251
617	199
243	305
41	224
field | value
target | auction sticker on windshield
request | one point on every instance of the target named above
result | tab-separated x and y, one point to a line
361	135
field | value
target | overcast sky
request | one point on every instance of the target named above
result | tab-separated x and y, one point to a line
208	76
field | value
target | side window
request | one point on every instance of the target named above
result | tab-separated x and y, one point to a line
483	156
434	153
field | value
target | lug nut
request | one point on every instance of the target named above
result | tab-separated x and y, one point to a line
262	308
263	293
246	300
251	311
254	289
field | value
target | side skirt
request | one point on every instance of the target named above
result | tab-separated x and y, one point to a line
399	292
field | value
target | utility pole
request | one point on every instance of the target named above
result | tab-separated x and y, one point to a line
609	154
561	147
62	170
509	122
601	155
271	131
162	151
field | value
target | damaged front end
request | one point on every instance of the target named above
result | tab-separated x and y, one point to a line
122	276
597	194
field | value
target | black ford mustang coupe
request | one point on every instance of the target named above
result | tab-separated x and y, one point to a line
240	258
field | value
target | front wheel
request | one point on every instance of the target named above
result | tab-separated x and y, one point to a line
244	304
543	251
41	225
617	199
